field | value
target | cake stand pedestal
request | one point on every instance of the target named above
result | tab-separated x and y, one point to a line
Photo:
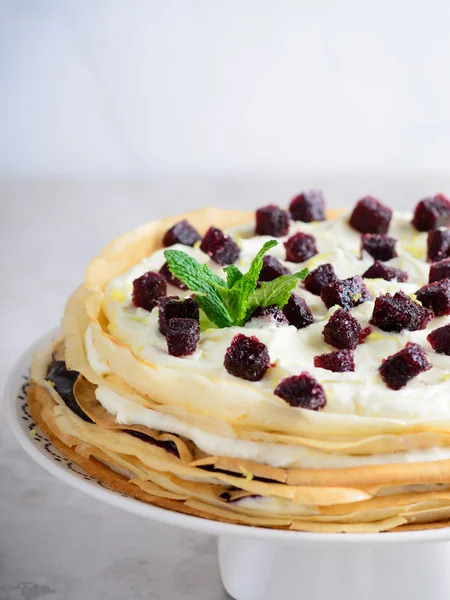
267	564
265	570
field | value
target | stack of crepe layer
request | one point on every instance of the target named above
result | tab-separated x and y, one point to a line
170	471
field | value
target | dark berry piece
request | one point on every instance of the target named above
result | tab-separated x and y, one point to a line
247	358
319	278
438	244
440	339
338	361
431	213
173	307
165	272
182	336
398	369
298	312
181	233
302	391
371	216
439	270
380	247
381	271
436	296
300	247
220	247
347	293
272	220
148	289
398	312
272	268
308	206
343	331
268	314
168	446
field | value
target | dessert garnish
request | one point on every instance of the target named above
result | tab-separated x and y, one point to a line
436	296
247	358
272	268
220	247
266	315
398	369
381	271
300	247
338	361
398	312
431	213
320	277
371	216
440	339
231	302
439	270
298	312
438	245
272	220
380	247
164	271
308	206
181	233
148	289
347	293
302	391
182	336
343	331
173	307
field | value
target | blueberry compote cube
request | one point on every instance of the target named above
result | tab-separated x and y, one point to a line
338	361
182	336
173	307
302	391
398	369
272	220
319	278
308	206
148	289
272	268
300	247
371	216
381	271
247	358
343	331
431	213
380	247
298	312
347	293
181	233
440	339
399	312
220	247
436	296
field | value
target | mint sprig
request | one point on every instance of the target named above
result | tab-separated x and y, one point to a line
231	302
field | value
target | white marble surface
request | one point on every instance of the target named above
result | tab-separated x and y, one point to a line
55	543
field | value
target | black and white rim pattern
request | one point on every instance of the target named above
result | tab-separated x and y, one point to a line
40	439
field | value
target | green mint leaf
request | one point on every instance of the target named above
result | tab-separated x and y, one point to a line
233	275
243	288
302	274
199	278
276	292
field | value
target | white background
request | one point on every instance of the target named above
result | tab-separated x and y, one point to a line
130	88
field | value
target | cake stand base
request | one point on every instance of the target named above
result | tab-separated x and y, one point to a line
266	570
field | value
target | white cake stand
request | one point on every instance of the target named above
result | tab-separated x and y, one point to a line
264	564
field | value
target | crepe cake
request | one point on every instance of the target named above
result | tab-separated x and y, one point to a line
285	369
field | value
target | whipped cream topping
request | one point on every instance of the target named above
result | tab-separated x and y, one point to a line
361	392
